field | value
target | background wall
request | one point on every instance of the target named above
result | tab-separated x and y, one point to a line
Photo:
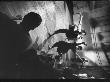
55	16
95	38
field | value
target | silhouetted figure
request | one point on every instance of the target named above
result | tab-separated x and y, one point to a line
24	43
30	22
8	48
15	42
34	68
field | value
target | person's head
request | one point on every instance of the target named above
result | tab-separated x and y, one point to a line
31	21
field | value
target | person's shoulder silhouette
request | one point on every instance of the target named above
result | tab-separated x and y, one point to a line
13	40
30	22
7	48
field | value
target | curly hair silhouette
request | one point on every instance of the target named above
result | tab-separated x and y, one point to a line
31	21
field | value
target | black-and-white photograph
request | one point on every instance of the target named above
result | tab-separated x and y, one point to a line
55	39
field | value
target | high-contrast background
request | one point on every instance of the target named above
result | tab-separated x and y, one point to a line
56	15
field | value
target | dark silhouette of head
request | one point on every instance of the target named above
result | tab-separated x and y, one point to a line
31	21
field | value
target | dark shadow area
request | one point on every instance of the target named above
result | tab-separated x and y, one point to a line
16	61
101	3
100	36
32	68
93	23
108	15
96	71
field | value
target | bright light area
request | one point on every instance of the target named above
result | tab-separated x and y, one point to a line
50	7
79	28
90	55
94	57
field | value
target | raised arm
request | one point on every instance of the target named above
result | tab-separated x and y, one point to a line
59	31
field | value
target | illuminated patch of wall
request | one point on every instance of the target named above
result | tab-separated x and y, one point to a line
99	15
91	56
98	58
61	21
